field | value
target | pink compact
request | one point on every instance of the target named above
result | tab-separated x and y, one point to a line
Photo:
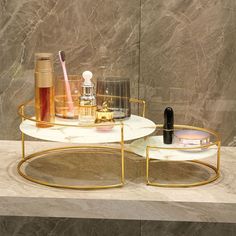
192	137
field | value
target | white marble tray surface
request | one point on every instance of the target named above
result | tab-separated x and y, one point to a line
139	147
134	127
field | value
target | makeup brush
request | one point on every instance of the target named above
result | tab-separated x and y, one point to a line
62	57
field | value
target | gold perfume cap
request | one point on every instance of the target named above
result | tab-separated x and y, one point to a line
44	70
43	62
104	114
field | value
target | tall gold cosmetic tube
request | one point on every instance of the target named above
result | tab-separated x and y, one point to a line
44	89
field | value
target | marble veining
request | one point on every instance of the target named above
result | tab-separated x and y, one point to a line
67	227
187	61
150	228
220	191
17	186
176	53
134	127
13	225
135	209
139	147
84	29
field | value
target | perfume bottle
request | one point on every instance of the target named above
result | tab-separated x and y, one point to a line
44	90
87	101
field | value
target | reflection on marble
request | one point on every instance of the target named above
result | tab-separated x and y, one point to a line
83	167
221	191
103	167
178	172
84	29
135	209
187	61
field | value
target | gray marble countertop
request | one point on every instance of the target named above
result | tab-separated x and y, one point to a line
215	202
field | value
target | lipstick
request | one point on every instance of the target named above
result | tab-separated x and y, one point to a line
168	125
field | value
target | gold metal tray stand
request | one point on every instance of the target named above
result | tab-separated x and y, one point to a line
216	168
40	154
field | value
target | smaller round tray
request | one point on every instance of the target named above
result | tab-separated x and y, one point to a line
170	154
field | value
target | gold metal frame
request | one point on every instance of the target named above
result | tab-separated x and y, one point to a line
82	187
216	169
21	112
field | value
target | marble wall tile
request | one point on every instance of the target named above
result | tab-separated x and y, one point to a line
57	226
177	53
85	29
163	228
40	226
187	61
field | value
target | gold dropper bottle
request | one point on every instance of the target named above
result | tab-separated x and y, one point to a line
88	107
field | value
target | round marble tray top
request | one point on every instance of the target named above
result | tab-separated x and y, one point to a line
139	147
135	127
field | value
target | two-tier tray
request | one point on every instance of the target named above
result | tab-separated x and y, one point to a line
135	128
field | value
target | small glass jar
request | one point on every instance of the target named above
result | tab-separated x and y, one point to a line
104	118
115	90
61	101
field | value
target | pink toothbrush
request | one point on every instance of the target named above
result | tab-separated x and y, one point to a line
62	57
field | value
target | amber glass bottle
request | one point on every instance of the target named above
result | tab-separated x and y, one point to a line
44	90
